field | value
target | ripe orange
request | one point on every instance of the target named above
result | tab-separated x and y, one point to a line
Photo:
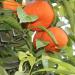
60	36
44	12
10	4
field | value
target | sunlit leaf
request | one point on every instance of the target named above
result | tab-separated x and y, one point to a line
21	55
2	71
45	62
26	57
20	73
62	11
40	43
24	17
31	59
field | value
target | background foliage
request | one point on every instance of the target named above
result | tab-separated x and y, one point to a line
17	54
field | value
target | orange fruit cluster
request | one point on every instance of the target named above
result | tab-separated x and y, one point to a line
58	33
46	15
44	12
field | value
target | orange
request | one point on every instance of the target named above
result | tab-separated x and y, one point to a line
60	36
10	4
44	12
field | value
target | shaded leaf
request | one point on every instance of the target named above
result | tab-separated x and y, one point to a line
4	27
11	22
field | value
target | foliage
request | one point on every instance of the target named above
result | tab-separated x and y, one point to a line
17	54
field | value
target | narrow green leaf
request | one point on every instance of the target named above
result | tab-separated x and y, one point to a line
5	27
49	33
40	43
20	73
45	62
65	66
57	71
11	22
24	17
2	71
70	13
62	11
61	63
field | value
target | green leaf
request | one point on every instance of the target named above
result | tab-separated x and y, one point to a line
40	43
1	0
26	57
53	1
40	52
62	11
4	12
70	13
49	33
45	62
31	58
12	22
57	71
68	51
21	55
5	27
2	71
20	1
61	63
24	17
20	73
63	67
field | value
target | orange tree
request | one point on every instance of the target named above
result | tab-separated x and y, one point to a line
37	38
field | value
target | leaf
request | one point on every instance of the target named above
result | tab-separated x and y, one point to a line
39	53
70	13
20	1
57	71
62	66
24	17
61	63
49	33
62	11
20	73
40	43
53	1
31	59
21	55
68	51
26	57
1	0
11	22
5	27
5	12
2	71
45	62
